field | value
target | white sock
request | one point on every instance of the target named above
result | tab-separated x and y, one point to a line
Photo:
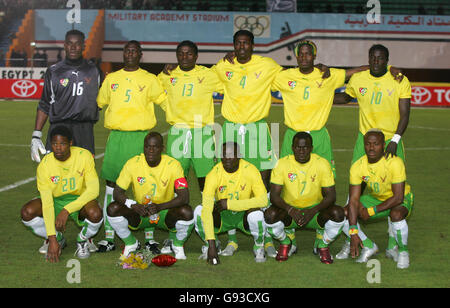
277	230
197	218
120	225
331	230
37	225
257	227
400	229
90	229
183	228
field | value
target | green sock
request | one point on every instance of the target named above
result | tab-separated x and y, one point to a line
391	242
368	243
130	240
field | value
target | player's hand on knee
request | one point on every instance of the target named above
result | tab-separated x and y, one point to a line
61	220
37	146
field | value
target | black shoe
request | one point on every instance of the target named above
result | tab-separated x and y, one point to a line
153	247
105	246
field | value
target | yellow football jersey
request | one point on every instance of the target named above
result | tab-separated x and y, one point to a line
189	99
158	182
307	98
244	189
302	183
247	96
378	99
75	176
379	176
130	97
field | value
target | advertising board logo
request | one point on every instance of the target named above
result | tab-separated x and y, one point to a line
420	95
24	88
259	25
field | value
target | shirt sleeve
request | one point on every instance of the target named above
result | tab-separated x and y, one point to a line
92	187
349	89
327	177
46	194
208	206
103	96
125	178
259	192
405	88
277	174
47	93
339	77
157	94
355	176
398	170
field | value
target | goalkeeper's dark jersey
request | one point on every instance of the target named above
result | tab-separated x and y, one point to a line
70	92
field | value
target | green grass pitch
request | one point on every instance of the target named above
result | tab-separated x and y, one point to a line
428	171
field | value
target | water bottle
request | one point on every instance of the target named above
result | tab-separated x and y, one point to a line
152	218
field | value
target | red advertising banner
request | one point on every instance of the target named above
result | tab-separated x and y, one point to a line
21	88
425	94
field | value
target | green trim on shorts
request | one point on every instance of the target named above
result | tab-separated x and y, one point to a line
196	151
359	151
264	158
60	202
312	224
369	201
120	147
321	145
145	222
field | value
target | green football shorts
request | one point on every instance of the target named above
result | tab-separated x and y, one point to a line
254	140
120	147
369	201
194	147
359	151
312	224
321	145
60	202
145	222
229	220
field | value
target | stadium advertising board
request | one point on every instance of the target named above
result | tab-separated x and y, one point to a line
22	72
430	94
21	88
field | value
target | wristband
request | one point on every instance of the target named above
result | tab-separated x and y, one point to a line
37	134
353	230
396	138
372	210
129	203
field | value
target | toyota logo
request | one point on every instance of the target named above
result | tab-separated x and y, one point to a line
255	24
420	95
24	88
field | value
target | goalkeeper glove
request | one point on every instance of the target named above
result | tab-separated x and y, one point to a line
37	146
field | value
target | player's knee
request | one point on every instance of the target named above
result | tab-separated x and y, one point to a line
185	213
27	212
113	209
398	213
270	215
337	213
94	214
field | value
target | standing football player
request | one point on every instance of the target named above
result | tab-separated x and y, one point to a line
129	95
68	98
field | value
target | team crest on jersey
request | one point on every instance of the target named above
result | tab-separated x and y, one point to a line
292	176
141	180
222	189
64	82
365	178
229	75
173	81
363	91
54	179
114	86
292	84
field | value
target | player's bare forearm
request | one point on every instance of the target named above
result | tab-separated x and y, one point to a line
119	195
398	190
404	106
41	118
329	198
355	193
275	197
182	198
341	98
349	72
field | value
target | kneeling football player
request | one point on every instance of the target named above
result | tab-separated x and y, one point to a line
388	196
233	196
68	186
155	179
303	195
